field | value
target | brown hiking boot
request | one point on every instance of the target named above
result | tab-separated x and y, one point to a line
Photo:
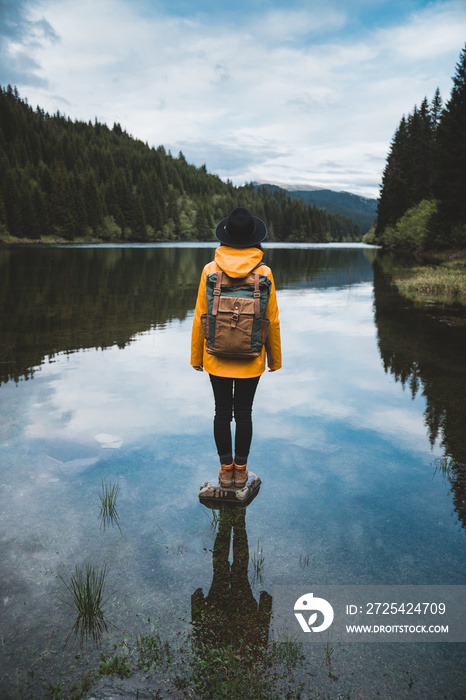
225	475
241	475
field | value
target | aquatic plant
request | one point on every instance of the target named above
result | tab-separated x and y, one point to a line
87	591
174	546
329	651
150	650
115	666
445	284
241	671
257	561
442	466
108	513
214	517
304	559
289	651
250	671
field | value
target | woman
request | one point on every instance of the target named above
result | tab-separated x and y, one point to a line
234	381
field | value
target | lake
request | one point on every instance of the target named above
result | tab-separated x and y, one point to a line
359	440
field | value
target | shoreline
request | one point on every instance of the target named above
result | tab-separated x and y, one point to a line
439	277
57	240
440	280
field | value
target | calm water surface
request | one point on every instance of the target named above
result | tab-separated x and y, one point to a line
95	383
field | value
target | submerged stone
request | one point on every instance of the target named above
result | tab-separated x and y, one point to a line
211	493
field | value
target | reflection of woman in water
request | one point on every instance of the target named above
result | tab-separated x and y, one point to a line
234	381
229	614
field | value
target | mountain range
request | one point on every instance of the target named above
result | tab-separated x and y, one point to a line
360	210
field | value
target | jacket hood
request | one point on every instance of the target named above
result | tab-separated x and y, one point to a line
237	262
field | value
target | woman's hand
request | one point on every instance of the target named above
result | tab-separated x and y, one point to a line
199	368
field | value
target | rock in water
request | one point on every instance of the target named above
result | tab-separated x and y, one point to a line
211	493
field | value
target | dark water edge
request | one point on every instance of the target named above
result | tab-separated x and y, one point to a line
345	498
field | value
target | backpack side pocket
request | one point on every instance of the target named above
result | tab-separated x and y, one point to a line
205	325
264	331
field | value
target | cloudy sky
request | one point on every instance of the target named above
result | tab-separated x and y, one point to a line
293	91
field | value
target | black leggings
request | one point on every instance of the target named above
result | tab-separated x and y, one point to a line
233	397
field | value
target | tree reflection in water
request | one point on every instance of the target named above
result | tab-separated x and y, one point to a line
424	348
62	299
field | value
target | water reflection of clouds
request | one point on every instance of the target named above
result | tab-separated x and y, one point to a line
332	371
146	388
396	421
329	310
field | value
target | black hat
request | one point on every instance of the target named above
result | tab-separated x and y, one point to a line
241	229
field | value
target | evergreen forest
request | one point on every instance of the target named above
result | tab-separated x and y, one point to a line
422	203
75	181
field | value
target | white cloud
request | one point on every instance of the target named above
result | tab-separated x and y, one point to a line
288	25
288	95
429	35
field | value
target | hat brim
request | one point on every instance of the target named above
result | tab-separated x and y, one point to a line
259	234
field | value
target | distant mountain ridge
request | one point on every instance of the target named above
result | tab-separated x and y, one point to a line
361	210
296	187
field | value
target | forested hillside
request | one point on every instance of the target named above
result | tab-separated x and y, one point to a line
423	197
84	181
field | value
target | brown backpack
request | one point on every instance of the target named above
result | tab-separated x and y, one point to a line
235	325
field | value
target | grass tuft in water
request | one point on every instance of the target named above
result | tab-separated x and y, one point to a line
443	466
241	671
289	651
214	517
108	513
304	560
150	650
87	590
445	284
115	666
257	560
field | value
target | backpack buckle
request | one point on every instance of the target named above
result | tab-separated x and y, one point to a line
234	316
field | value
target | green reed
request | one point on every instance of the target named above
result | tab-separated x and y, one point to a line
214	517
108	513
444	284
304	560
87	590
257	560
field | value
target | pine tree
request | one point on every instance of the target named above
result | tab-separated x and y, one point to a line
93	203
419	155
394	201
409	174
11	198
450	183
436	109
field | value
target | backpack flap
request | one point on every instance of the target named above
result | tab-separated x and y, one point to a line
236	307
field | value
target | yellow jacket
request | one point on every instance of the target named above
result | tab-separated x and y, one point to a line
236	262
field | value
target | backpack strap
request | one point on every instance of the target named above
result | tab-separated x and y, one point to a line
217	293
257	296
